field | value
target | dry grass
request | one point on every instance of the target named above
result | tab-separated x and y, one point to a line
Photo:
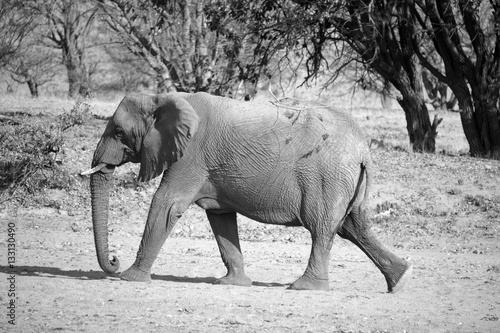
390	126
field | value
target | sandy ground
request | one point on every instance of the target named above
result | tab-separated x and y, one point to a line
59	287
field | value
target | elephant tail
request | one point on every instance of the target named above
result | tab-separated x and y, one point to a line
367	172
364	177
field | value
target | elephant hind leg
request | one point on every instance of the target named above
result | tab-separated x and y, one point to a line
323	233
225	229
316	275
396	270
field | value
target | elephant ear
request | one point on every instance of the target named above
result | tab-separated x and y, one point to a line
174	124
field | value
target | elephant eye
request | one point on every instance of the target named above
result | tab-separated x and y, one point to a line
121	136
119	133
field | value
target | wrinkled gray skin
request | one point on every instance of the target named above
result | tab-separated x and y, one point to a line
290	163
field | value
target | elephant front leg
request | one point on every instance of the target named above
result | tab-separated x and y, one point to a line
225	229
161	220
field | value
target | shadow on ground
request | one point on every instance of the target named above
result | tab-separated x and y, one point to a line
54	272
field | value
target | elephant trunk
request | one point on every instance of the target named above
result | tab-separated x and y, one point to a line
99	186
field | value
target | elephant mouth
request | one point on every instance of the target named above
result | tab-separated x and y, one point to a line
101	167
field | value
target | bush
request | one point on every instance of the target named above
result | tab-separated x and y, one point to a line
29	151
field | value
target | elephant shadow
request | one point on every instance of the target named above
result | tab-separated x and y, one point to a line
55	272
209	280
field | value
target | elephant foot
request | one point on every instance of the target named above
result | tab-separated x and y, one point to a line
135	274
235	280
308	283
399	283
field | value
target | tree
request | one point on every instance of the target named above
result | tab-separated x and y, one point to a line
174	38
32	65
437	91
30	27
15	25
379	32
440	95
252	48
466	37
129	71
457	41
67	26
19	54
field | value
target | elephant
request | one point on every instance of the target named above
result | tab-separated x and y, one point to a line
287	162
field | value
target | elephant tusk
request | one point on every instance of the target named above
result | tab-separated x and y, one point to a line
93	170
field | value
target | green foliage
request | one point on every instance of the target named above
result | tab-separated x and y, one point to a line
29	152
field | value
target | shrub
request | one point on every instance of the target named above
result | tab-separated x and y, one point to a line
29	149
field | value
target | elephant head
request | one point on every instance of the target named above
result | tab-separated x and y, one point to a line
152	130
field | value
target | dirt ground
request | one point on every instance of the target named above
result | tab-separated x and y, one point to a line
440	210
59	287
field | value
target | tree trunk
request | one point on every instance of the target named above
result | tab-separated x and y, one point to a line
480	119
77	78
421	132
405	74
409	82
490	132
480	116
33	86
486	122
471	130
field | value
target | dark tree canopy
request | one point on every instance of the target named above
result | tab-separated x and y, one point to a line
331	36
455	41
465	34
